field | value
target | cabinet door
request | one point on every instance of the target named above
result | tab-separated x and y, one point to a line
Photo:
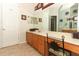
36	42
41	45
29	38
33	40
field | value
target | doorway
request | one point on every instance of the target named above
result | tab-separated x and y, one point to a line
53	23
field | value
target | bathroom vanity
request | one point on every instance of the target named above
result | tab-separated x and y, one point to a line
38	40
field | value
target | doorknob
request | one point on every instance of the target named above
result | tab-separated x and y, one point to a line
3	29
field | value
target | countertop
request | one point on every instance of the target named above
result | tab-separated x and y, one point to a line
58	35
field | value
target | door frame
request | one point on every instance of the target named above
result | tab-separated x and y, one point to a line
50	22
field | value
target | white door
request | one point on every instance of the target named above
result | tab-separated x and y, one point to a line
10	24
0	33
0	25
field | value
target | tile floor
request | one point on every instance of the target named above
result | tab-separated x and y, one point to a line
19	50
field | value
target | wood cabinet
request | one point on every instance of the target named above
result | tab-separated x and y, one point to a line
38	42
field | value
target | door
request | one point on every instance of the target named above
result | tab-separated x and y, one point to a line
10	24
53	23
0	33
0	26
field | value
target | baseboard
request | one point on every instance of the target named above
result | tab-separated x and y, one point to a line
22	42
7	45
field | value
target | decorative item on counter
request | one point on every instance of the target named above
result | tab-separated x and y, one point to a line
33	29
63	37
23	17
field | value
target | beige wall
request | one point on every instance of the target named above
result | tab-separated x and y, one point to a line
24	25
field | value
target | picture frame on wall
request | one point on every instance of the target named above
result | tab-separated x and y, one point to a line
23	17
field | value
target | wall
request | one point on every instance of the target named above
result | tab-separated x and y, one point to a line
38	14
45	14
54	11
78	19
50	11
45	20
27	9
24	25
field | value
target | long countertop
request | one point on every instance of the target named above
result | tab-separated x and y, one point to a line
58	35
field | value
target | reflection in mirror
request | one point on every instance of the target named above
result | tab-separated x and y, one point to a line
57	17
68	18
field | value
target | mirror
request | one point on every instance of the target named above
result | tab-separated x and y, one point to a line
68	17
58	17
